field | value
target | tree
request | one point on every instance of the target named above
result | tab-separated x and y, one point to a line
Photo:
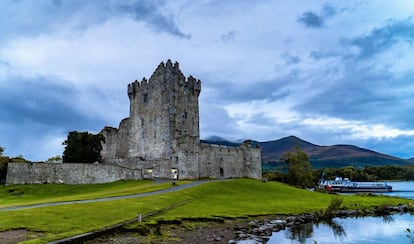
82	147
299	168
1	150
55	159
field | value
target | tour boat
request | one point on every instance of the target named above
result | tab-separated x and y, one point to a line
345	185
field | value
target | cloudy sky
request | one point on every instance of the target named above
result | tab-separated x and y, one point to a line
329	72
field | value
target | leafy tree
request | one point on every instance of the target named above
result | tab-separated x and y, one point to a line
3	166
82	147
55	159
18	159
299	168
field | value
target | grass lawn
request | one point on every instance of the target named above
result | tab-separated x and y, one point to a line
18	195
235	198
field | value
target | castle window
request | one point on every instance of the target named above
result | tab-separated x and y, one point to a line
185	115
145	98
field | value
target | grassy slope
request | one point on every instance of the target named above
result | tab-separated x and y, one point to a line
32	194
224	199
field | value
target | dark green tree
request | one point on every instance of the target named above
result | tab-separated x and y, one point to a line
299	168
82	147
3	166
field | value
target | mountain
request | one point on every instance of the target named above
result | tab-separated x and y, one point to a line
335	156
220	141
328	156
272	151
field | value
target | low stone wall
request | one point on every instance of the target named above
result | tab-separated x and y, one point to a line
217	161
68	173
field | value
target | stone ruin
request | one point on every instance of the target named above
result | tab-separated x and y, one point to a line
159	139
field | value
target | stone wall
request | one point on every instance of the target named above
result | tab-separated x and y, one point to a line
217	161
159	139
68	173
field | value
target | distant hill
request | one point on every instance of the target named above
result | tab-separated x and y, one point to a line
220	141
411	160
328	156
335	156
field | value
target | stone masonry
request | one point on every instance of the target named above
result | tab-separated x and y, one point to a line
161	136
159	139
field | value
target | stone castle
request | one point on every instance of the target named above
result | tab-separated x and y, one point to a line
159	139
162	137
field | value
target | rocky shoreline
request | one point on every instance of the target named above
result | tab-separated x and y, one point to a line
234	231
260	231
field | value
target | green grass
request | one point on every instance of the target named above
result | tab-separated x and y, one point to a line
235	198
19	195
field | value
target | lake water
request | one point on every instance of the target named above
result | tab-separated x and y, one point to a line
389	229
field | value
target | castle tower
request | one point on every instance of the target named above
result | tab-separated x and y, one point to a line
164	121
161	136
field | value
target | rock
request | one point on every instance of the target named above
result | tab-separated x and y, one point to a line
308	218
278	222
291	219
403	208
290	224
300	220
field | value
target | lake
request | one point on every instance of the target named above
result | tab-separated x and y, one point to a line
389	229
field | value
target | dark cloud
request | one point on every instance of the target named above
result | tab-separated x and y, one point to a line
368	91
41	101
29	18
290	59
214	120
150	12
46	16
228	36
34	112
383	38
400	146
257	90
358	95
313	20
328	11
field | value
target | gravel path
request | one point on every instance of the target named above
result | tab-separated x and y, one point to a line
104	199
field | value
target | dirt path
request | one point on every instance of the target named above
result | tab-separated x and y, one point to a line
104	199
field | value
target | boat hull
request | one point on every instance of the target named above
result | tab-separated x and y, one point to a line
376	190
340	185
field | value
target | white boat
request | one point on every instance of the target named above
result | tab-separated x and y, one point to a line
345	185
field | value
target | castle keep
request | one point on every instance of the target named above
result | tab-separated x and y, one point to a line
161	136
159	139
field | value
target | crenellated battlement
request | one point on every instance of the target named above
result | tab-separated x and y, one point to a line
163	132
165	73
159	139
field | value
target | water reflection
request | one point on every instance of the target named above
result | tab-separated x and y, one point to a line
300	233
367	230
337	228
387	219
303	232
385	229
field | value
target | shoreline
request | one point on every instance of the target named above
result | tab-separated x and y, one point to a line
256	229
